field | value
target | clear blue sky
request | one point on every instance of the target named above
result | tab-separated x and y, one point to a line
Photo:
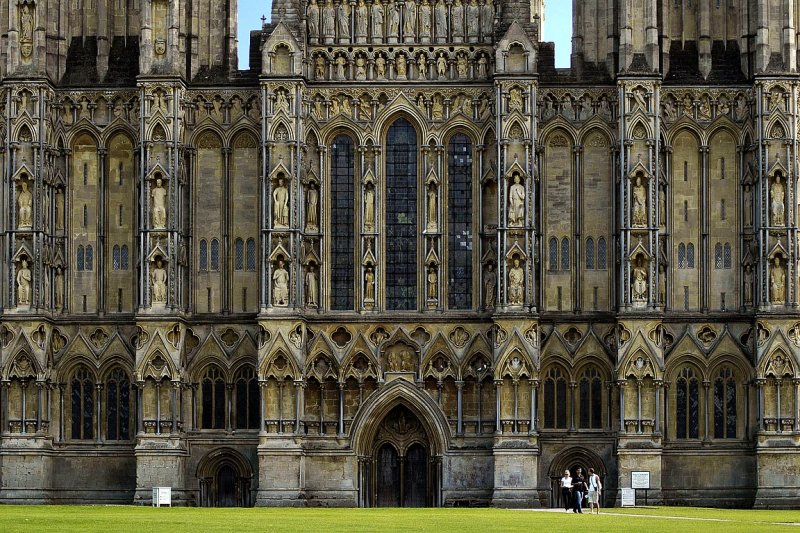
558	26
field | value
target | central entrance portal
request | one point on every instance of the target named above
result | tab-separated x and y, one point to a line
402	464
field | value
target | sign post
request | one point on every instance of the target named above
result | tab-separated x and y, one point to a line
162	496
641	481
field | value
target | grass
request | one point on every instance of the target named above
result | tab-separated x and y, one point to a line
106	519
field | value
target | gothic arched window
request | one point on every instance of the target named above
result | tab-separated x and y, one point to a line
601	253
564	254
591	399
115	259
727	256
238	255
690	255
82	402
214	255
459	222
247	398
681	255
203	255
401	216
79	259
589	254
553	255
89	257
718	256
213	392
251	255
725	405
124	257
118	405
555	399
342	224
687	399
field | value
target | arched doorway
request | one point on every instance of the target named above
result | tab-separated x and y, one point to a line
572	459
225	479
402	463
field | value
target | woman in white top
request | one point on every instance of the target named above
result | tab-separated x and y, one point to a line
594	491
566	490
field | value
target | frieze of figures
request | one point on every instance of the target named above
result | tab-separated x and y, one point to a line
706	105
224	108
580	106
100	109
401	64
390	22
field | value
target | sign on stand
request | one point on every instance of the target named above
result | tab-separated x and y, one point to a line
162	496
641	481
628	497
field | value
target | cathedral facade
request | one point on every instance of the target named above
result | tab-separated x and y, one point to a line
402	260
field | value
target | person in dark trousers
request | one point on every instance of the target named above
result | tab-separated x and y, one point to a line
578	488
566	489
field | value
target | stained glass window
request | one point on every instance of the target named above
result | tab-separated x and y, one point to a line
203	255
553	255
564	254
401	217
239	255
591	399
459	222
247	398
82	405
555	399
124	257
690	255
601	254
214	255
342	224
589	254
79	259
89	258
118	391
718	255
725	405
213	405
727	256
687	400
115	259
251	255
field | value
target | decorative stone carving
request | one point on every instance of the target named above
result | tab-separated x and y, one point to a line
312	287
457	21
748	205
280	285
432	225
777	282
280	205
369	207
440	14
369	285
432	283
59	289
473	21
489	286
312	15
328	22
409	21
639	280
24	278
425	22
516	202
59	208
377	21
777	201
516	283
639	193
158	277
393	31
343	22
362	17
487	16
25	206
748	284
401	66
26	22
312	208
159	208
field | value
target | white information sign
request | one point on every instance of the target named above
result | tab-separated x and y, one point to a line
640	480
628	497
162	496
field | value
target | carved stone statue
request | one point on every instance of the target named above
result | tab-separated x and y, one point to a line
482	67
662	284
319	68
432	207
158	277
431	283
369	285
437	109
159	196
516	202
777	202
425	21
341	63
639	101
377	21
777	283
280	286
369	207
362	16
748	205
312	287
458	21
361	69
380	67
639	215
515	100
343	22
441	67
462	67
487	20
640	282
328	22
312	14
440	13
312	208
473	21
516	284
280	205
59	288
410	21
400	65
24	278
489	286
25	203
394	23
281	102
748	285
59	208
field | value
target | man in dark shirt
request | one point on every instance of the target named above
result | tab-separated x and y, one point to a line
578	488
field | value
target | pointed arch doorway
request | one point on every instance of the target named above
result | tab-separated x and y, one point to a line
225	479
571	459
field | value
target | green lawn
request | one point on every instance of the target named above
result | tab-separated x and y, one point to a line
146	520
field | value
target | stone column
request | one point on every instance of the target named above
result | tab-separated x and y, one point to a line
460	407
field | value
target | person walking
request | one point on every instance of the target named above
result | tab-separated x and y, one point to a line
595	486
578	488
566	488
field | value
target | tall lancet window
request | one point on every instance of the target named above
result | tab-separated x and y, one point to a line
342	225
459	222
401	217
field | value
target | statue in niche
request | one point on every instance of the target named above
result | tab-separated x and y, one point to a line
662	284
425	21
25	204
366	108
312	201
516	202
748	205
280	285
482	67
489	286
159	196
473	20
380	67
458	21
361	69
369	207
328	20
462	67
318	109
159	280
487	16
777	283
723	108
688	106
410	20
440	13
662	205
319	67
775	101
441	66
670	114
400	64
335	110
432	207
346	109
516	283
777	198
280	205
515	100
119	110
437	109
431	283
341	62
362	15
26	24
369	285
394	22
24	278
313	20
748	284
343	22
640	281
281	102
59	287
740	112
377	21
311	287
704	110
639	100
639	204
